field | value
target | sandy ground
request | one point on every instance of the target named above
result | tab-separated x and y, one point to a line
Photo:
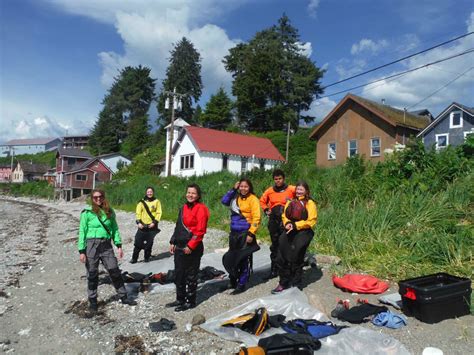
43	294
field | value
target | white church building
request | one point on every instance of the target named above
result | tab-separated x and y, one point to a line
197	151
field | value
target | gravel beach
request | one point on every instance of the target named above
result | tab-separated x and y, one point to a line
43	294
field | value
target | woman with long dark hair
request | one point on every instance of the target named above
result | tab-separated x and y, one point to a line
187	247
148	214
98	229
244	222
299	217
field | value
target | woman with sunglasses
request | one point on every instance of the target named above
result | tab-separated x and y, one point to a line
299	217
148	214
98	229
244	222
186	245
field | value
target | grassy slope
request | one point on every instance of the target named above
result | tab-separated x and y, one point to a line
411	215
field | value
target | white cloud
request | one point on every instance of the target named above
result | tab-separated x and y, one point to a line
306	48
413	87
368	45
150	28
345	68
25	119
320	108
312	7
408	43
33	127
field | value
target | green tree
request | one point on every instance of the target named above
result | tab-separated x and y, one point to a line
184	75
218	113
106	133
273	80
124	118
197	115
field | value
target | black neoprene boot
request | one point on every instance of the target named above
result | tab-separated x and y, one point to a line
128	301
185	307
93	304
174	304
136	252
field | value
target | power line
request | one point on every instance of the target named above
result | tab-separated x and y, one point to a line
398	60
441	88
399	74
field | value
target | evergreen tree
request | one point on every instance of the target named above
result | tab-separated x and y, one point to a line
273	81
184	74
218	113
197	115
105	135
124	118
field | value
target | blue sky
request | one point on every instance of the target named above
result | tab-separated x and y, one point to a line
59	57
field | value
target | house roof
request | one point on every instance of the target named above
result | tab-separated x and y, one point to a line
104	156
77	136
179	122
211	140
31	141
465	108
391	115
85	166
33	168
469	110
74	153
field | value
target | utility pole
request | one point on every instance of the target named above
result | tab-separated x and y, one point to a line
12	152
175	104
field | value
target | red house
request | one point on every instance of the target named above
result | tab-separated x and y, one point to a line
5	172
68	160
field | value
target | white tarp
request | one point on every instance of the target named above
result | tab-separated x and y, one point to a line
293	303
261	262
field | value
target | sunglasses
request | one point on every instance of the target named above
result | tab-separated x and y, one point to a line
97	197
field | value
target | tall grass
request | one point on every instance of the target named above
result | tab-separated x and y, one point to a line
410	215
32	188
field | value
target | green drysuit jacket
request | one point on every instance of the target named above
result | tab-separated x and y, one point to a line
90	227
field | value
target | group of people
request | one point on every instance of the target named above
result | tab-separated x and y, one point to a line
291	213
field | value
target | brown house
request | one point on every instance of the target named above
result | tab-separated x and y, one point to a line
27	171
360	126
86	177
68	160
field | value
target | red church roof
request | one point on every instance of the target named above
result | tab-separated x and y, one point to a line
211	140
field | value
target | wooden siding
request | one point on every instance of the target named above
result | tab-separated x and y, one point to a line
354	123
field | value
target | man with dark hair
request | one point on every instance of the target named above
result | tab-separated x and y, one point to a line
273	202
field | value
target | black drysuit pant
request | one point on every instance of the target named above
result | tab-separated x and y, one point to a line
275	228
144	240
186	268
291	252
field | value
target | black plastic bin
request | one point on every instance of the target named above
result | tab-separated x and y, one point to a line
433	298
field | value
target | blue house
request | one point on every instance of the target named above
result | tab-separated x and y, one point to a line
451	127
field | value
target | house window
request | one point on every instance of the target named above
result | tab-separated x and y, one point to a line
442	140
225	162
332	151
80	177
187	162
352	148
467	133
262	164
455	119
71	161
375	147
243	166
